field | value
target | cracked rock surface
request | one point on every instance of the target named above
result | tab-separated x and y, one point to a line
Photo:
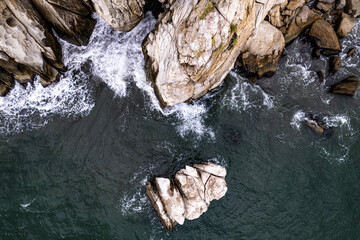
188	195
195	45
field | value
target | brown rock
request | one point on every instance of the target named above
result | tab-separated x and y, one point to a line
353	7
295	4
262	51
304	18
320	76
335	64
6	82
324	35
323	6
340	4
346	87
345	25
350	53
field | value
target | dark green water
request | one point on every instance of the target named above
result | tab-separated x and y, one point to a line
74	157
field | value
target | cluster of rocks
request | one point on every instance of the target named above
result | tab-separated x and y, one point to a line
28	46
188	195
317	125
325	21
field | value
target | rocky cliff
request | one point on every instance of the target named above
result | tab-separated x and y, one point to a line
195	45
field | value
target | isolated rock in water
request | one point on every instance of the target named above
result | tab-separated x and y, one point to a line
324	34
316	125
346	24
262	51
320	76
346	87
353	7
71	19
335	64
350	53
189	182
190	196
25	40
122	15
195	45
303	19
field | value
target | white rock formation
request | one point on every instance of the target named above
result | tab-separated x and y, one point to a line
195	45
122	15
190	195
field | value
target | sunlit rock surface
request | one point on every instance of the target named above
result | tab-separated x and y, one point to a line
188	195
195	45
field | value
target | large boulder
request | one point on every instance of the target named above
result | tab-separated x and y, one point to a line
324	35
353	7
345	25
262	51
195	45
71	19
346	87
188	195
26	43
122	15
302	20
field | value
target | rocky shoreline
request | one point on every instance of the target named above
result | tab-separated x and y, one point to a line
194	45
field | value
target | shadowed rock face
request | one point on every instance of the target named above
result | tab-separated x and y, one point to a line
262	50
71	19
195	45
25	40
324	35
346	87
188	195
122	15
27	45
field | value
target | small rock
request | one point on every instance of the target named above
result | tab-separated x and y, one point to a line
346	87
320	76
317	125
335	64
324	34
350	53
329	52
345	25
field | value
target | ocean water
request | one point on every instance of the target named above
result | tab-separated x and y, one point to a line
75	157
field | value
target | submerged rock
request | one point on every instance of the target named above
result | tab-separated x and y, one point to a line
122	15
189	195
195	45
335	64
346	87
350	53
317	125
324	35
263	50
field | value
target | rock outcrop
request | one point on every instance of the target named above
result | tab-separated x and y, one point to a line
263	50
346	87
188	195
122	15
26	43
71	19
353	7
195	45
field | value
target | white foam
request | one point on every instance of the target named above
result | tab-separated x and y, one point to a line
132	204
25	205
297	119
244	95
